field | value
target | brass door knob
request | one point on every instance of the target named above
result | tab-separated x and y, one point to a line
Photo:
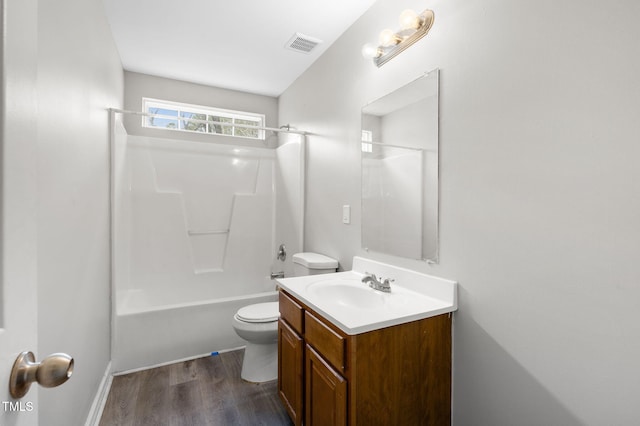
52	371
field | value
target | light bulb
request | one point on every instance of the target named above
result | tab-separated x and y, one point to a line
410	20
370	50
388	38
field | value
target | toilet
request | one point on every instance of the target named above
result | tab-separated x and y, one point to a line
258	323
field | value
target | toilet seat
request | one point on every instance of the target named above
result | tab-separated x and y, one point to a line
259	313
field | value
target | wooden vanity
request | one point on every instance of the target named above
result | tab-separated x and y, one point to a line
397	375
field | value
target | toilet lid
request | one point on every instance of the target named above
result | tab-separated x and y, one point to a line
260	312
315	261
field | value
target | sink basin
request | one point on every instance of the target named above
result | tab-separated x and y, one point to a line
347	293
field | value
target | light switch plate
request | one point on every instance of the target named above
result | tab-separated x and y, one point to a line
346	214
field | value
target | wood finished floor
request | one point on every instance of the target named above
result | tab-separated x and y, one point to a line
202	392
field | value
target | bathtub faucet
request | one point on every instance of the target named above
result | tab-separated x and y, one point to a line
275	275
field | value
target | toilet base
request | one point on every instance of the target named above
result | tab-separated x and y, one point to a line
260	362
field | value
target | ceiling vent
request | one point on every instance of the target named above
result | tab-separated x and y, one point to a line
302	43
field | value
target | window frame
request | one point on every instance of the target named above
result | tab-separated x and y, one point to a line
208	112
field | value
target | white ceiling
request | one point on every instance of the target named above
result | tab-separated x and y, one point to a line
235	44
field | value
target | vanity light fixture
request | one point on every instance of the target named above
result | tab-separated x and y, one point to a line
390	44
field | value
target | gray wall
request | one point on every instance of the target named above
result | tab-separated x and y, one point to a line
138	86
79	77
539	195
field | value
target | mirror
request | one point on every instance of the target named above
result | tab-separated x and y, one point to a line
400	171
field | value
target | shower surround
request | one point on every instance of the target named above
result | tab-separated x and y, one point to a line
193	227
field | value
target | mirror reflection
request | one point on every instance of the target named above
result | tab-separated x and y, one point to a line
400	171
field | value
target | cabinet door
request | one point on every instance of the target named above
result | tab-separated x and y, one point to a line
326	393
290	369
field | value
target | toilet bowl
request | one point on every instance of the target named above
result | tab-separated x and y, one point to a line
258	324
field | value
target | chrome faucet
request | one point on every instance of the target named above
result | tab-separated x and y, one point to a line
376	284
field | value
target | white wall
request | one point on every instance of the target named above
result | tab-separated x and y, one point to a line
79	77
138	86
539	194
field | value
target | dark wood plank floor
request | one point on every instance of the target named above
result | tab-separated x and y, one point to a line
203	392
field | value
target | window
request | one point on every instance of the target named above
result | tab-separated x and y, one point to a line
201	119
367	138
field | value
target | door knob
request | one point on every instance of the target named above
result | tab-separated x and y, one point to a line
52	371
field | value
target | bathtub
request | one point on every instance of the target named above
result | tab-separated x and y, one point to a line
195	235
147	335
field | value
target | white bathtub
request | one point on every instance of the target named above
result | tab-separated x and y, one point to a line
194	239
146	335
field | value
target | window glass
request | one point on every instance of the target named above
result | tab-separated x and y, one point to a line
162	118
246	132
220	129
201	119
193	122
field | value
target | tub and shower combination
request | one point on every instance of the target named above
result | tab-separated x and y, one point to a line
196	228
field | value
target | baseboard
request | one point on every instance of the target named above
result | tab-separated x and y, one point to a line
93	419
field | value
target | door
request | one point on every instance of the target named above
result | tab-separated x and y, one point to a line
290	371
326	393
18	277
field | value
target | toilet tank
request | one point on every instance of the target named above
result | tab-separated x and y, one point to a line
313	264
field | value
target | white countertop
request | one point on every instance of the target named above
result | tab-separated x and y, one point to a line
356	308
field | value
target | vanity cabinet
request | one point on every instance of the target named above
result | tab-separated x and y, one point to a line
291	359
326	392
398	375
